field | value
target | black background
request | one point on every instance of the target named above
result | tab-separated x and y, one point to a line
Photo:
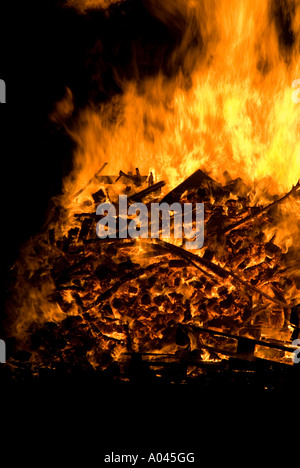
43	49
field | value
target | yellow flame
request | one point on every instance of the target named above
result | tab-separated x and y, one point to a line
237	115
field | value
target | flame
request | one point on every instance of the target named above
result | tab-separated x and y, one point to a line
236	113
226	105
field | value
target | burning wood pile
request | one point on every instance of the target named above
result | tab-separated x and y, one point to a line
114	304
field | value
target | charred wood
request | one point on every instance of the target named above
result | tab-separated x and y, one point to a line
260	211
143	193
197	180
218	270
85	228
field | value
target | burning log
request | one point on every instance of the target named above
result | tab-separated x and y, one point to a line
90	181
251	342
84	215
137	179
197	180
128	277
260	211
218	270
60	274
85	228
143	193
99	196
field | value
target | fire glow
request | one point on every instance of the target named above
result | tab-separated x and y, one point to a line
220	127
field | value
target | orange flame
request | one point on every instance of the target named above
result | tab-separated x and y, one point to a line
228	107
